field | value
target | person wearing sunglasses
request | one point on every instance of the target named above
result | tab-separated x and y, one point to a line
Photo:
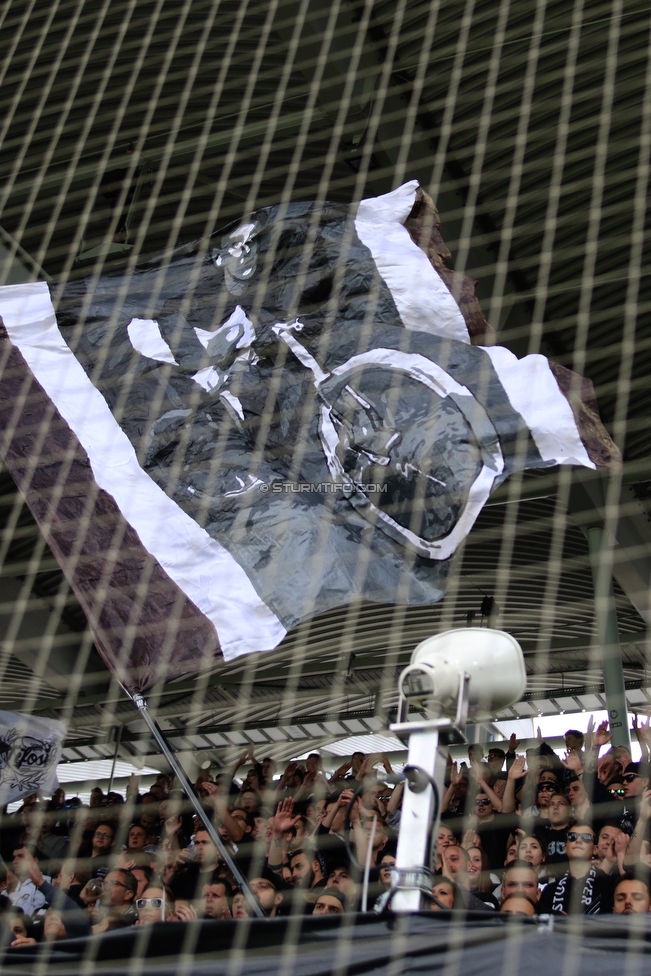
493	830
583	889
155	905
635	781
616	789
544	792
637	810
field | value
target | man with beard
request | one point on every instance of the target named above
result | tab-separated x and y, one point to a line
307	868
631	896
583	889
271	891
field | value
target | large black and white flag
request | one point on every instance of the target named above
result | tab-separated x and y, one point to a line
292	416
30	749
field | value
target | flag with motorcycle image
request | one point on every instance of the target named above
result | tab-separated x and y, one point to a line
305	411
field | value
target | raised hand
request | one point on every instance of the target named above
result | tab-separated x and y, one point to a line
517	768
354	811
477	771
602	735
469	838
173	825
242	759
620	844
344	798
645	805
622	756
210	791
572	761
184	913
606	768
284	819
513	742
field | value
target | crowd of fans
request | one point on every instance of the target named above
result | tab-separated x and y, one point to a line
520	834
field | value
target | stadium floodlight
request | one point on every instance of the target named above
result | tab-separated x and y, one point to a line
454	676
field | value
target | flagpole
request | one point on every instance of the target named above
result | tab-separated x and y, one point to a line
179	772
118	739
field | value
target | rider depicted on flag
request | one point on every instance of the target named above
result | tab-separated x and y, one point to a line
305	411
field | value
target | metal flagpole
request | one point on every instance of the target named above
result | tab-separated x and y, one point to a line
608	637
178	770
118	740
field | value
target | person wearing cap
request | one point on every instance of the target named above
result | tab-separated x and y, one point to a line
636	781
637	801
270	890
331	901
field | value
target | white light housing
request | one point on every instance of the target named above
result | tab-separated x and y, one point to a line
492	659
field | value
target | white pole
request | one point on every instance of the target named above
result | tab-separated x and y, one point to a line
416	827
367	866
